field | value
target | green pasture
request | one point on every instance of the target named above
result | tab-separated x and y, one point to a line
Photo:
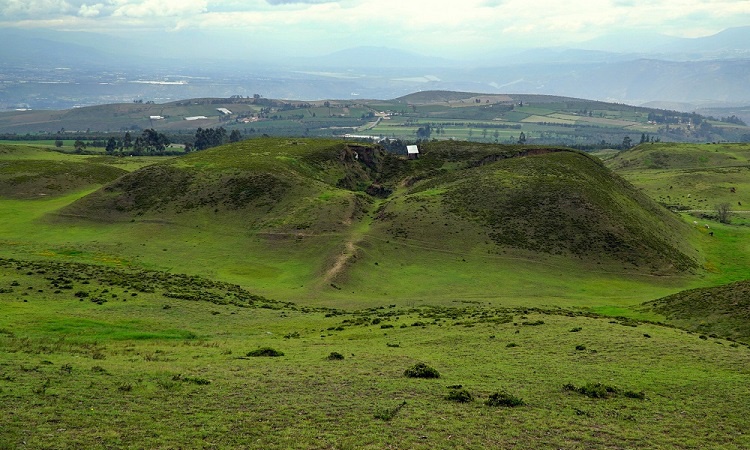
125	367
291	265
133	330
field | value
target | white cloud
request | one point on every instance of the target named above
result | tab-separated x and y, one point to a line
160	8
34	8
449	26
289	2
90	11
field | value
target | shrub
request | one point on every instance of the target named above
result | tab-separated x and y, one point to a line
511	345
593	390
421	370
194	380
503	398
460	396
335	356
580	347
576	329
387	414
265	351
534	323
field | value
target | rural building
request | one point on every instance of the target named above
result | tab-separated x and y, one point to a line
224	111
155	117
196	118
412	151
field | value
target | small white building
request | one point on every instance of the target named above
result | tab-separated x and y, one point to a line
155	117
196	118
224	111
412	151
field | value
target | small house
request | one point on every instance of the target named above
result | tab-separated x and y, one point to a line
412	151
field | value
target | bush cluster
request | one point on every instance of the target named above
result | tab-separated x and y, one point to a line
421	370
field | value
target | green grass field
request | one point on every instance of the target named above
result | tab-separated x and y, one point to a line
131	327
98	360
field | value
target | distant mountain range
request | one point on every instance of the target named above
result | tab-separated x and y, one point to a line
709	71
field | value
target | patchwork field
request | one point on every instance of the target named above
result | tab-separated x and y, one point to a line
440	115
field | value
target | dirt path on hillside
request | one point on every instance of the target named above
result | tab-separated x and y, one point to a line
349	250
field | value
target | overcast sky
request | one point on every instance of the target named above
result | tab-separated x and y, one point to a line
448	28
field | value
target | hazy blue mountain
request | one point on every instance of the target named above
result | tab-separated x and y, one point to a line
368	57
730	43
45	47
643	68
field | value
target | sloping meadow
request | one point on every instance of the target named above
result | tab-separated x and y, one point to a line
93	356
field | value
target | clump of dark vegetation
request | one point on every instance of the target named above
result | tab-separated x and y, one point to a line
195	380
580	347
511	345
576	329
534	323
600	390
335	356
460	396
505	399
421	370
387	414
265	351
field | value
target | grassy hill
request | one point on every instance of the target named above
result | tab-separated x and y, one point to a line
27	173
689	177
338	223
544	200
695	179
274	185
722	310
539	200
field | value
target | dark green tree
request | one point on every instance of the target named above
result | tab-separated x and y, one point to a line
111	145
424	132
235	136
127	141
79	146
